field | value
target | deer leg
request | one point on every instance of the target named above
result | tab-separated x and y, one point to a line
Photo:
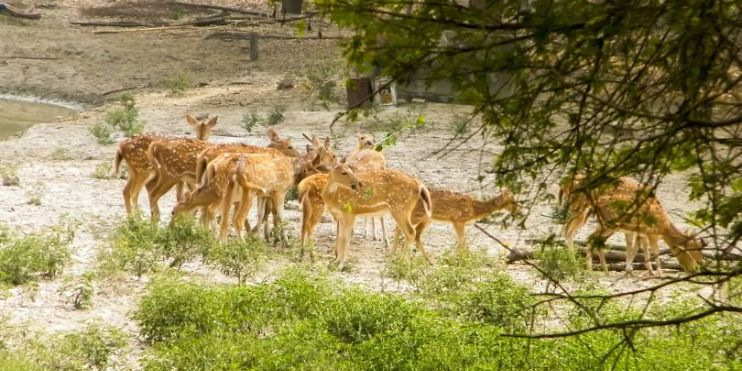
163	185
632	240
395	241
654	247
573	223
241	214
383	233
600	234
224	223
346	223
419	229
277	208
460	229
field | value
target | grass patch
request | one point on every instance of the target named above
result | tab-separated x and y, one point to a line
557	261
125	119
238	258
35	194
23	259
138	247
102	171
308	319
9	175
61	154
178	83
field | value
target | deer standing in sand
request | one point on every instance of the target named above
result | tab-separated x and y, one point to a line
459	209
177	160
364	157
140	169
628	206
371	193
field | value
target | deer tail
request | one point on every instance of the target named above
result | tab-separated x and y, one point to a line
201	165
240	177
117	161
425	198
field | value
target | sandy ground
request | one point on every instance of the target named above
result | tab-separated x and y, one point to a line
90	65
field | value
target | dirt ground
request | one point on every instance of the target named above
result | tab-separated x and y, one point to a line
227	84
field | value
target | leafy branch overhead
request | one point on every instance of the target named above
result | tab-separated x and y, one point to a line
600	88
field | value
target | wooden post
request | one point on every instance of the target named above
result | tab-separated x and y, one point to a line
291	6
253	46
358	90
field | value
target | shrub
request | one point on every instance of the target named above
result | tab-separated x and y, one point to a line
177	83
61	154
36	194
238	258
102	171
400	268
557	261
250	121
9	174
80	291
320	81
139	247
102	133
24	258
460	125
125	119
275	115
132	248
307	321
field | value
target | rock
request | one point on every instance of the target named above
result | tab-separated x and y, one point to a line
417	100
285	83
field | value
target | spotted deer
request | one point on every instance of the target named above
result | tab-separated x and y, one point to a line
371	193
364	157
215	189
140	168
274	175
177	160
458	209
628	206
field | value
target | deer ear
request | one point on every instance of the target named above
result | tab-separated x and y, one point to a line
306	136
273	136
212	122
192	120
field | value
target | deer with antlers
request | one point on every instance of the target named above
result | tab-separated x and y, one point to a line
348	195
458	209
628	206
177	160
141	171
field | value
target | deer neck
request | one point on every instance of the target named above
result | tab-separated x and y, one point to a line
484	208
673	236
300	166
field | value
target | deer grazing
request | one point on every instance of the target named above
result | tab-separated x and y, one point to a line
177	160
140	169
348	195
628	206
459	209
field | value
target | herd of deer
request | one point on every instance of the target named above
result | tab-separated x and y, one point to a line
220	177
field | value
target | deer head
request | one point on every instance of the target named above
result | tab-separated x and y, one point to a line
689	254
283	145
203	128
341	175
320	153
364	141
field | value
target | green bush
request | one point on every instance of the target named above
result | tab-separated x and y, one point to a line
61	154
9	175
250	121
126	119
102	133
308	321
139	247
238	258
102	171
558	262
275	115
80	291
22	259
320	82
177	83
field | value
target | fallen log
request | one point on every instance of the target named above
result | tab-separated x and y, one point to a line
17	13
222	8
731	255
120	24
611	256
